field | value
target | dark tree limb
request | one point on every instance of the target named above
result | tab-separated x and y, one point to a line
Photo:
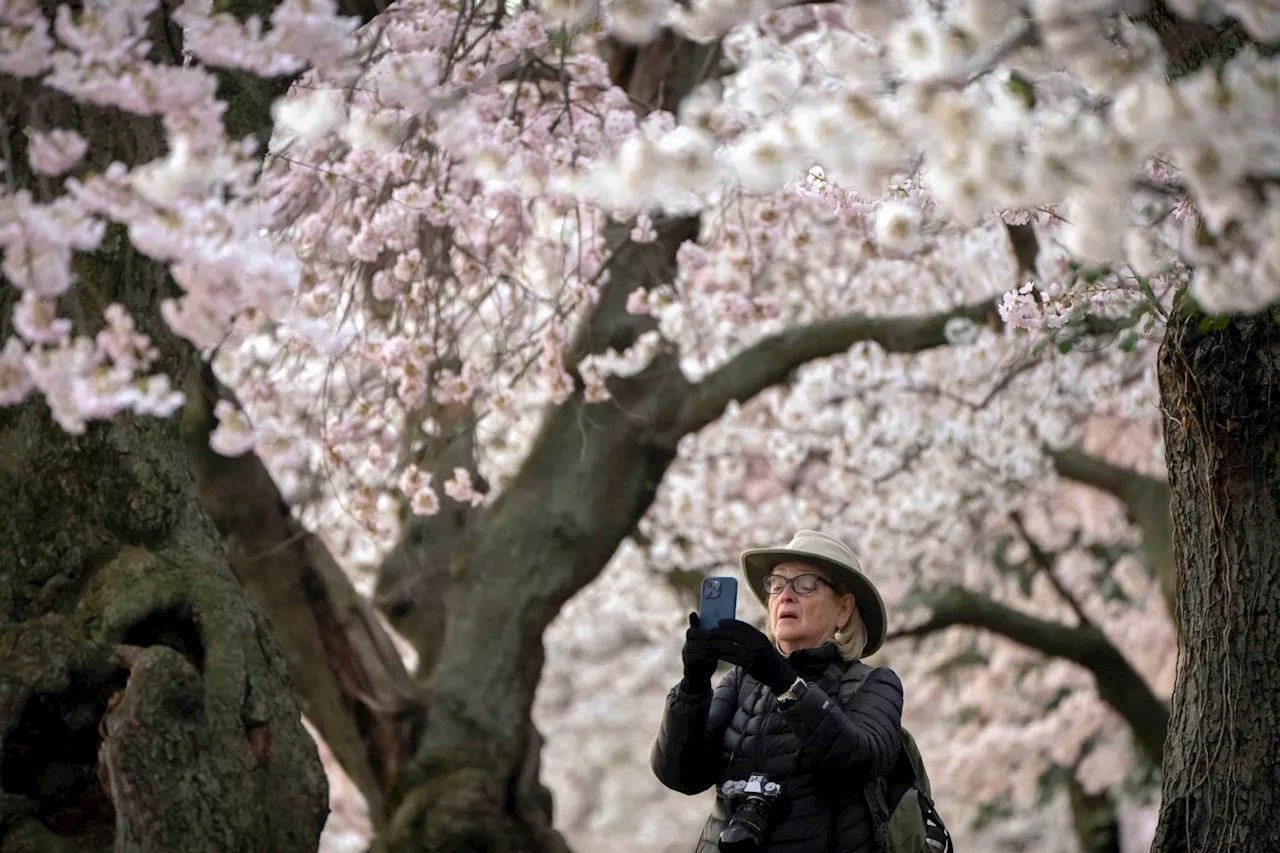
591	473
1094	817
1117	682
770	361
1045	563
1190	44
415	579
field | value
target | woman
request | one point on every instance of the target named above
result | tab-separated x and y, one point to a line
776	715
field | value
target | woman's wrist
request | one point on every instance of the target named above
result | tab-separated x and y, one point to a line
695	685
786	677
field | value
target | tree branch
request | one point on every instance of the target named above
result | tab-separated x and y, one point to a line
771	360
1044	562
415	578
1117	682
1190	44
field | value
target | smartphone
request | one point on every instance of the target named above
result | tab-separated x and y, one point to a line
718	601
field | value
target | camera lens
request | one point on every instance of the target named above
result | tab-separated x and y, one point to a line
745	831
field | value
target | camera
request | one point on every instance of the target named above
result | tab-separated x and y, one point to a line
754	799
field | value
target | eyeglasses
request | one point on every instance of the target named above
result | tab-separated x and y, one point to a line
802	584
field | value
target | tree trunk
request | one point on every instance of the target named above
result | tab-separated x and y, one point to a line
1093	817
593	471
1221	396
353	683
144	704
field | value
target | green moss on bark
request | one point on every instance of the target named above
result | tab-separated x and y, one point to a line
144	697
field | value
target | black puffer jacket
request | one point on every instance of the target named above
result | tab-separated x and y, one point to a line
738	729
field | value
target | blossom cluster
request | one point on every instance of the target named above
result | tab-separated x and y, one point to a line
444	272
995	109
194	208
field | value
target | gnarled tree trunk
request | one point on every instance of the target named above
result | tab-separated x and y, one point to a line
144	702
1221	394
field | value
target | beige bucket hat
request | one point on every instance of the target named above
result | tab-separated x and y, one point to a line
832	555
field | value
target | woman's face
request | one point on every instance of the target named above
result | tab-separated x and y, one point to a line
806	621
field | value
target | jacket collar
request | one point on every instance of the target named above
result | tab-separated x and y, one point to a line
812	663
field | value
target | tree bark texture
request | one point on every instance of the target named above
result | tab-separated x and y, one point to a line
144	701
1221	394
352	680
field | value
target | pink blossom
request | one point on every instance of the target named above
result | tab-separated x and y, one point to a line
56	151
460	488
38	268
234	435
15	382
36	319
638	301
644	232
26	49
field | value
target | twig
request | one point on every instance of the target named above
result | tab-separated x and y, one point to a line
1044	561
1021	32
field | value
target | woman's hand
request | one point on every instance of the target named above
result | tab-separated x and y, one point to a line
699	658
744	645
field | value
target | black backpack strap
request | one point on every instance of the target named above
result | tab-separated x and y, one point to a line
855	675
935	831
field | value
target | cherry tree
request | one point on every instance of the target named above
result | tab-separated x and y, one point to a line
494	290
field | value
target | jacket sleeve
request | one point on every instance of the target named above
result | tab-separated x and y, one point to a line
688	755
861	739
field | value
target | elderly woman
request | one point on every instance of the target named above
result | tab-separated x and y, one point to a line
790	759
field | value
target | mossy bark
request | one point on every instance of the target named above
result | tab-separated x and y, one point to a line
1221	395
145	705
354	684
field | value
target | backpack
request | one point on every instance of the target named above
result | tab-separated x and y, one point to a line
901	801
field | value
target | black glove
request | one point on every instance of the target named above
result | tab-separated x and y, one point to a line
744	645
699	660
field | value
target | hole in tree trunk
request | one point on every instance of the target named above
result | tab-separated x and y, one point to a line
52	758
174	627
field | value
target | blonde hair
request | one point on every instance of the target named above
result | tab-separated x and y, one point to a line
851	640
